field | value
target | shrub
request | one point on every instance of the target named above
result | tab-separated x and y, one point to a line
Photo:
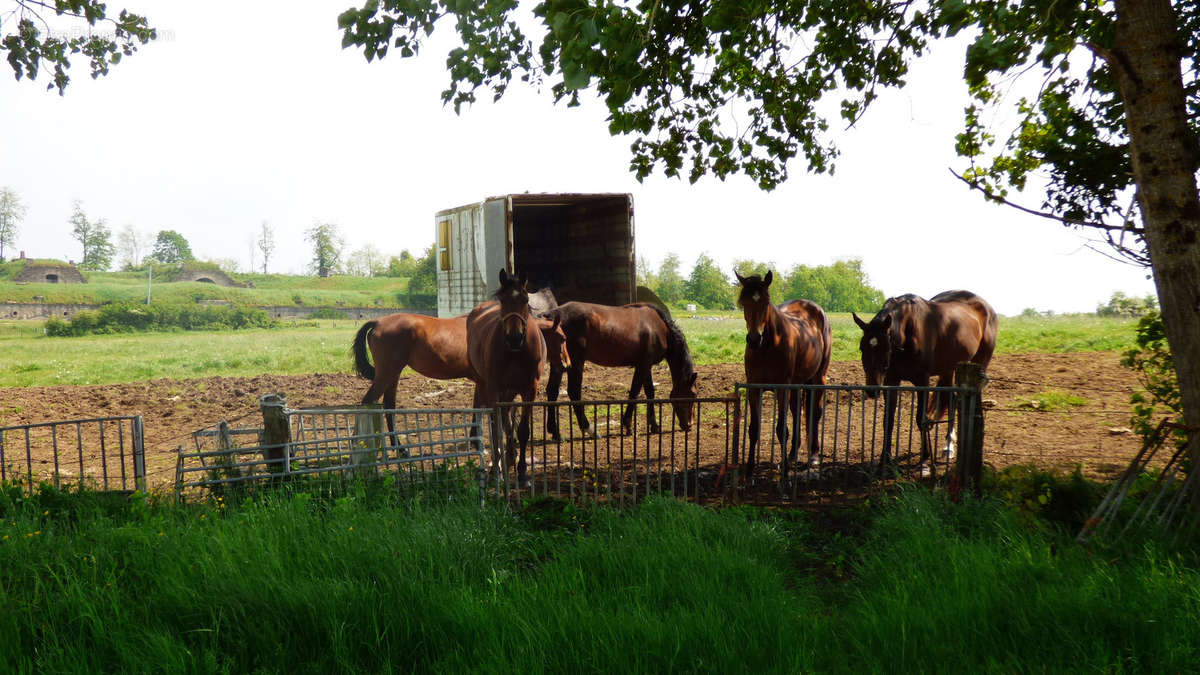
127	317
327	313
1152	360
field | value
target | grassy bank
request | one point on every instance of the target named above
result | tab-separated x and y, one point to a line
29	359
268	290
365	583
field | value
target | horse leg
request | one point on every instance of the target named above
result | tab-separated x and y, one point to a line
783	401
523	433
639	374
889	423
923	422
552	385
943	407
575	393
651	423
389	403
814	403
754	403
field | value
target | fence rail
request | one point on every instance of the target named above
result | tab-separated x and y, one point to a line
107	453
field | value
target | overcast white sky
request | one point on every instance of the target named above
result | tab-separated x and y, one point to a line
244	112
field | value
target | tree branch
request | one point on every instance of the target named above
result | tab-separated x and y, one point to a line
1042	214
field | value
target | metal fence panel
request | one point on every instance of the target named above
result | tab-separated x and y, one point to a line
105	453
430	449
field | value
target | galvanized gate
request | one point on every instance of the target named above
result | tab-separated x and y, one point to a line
105	453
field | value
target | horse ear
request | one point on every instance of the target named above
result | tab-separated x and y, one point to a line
522	281
741	279
887	322
503	276
767	279
862	324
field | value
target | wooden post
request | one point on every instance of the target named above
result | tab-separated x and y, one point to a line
277	432
969	469
366	451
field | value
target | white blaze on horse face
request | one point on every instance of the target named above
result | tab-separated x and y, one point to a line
873	342
754	297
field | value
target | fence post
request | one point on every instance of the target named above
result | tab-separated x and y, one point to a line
277	432
139	454
969	469
366	455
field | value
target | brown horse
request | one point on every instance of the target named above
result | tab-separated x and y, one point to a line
785	344
506	351
638	335
913	339
435	348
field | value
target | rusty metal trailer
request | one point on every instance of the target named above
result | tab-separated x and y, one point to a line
580	245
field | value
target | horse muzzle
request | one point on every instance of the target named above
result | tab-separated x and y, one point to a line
754	340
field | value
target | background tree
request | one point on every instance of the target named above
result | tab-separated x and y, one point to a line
365	262
226	265
327	248
1113	119
12	212
670	282
748	267
645	274
840	287
266	244
422	285
79	27
171	247
131	242
402	265
708	286
95	239
1125	306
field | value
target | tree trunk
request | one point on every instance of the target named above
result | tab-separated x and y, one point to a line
1146	61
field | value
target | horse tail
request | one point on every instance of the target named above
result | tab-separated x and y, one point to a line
826	341
361	363
987	342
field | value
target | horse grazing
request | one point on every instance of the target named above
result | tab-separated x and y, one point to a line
785	344
638	335
506	351
915	339
435	348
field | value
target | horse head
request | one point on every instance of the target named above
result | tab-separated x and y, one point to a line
683	395
755	300
514	309
550	326
876	348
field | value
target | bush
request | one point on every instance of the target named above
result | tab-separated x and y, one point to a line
1122	305
327	313
1152	360
127	318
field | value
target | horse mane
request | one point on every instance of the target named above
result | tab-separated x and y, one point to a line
677	346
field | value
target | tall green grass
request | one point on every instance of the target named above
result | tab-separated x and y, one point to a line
366	583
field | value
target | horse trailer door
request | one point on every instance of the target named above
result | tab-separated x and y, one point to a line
461	263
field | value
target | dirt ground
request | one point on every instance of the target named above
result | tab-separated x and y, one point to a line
1094	435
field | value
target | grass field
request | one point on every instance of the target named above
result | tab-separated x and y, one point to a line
268	290
29	359
366	583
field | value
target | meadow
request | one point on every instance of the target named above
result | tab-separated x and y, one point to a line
362	581
27	358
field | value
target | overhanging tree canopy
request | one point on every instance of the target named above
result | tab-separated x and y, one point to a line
728	86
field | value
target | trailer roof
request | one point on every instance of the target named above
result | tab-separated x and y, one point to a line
545	199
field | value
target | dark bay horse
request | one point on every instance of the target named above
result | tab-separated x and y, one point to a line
785	344
637	335
913	339
435	348
506	351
